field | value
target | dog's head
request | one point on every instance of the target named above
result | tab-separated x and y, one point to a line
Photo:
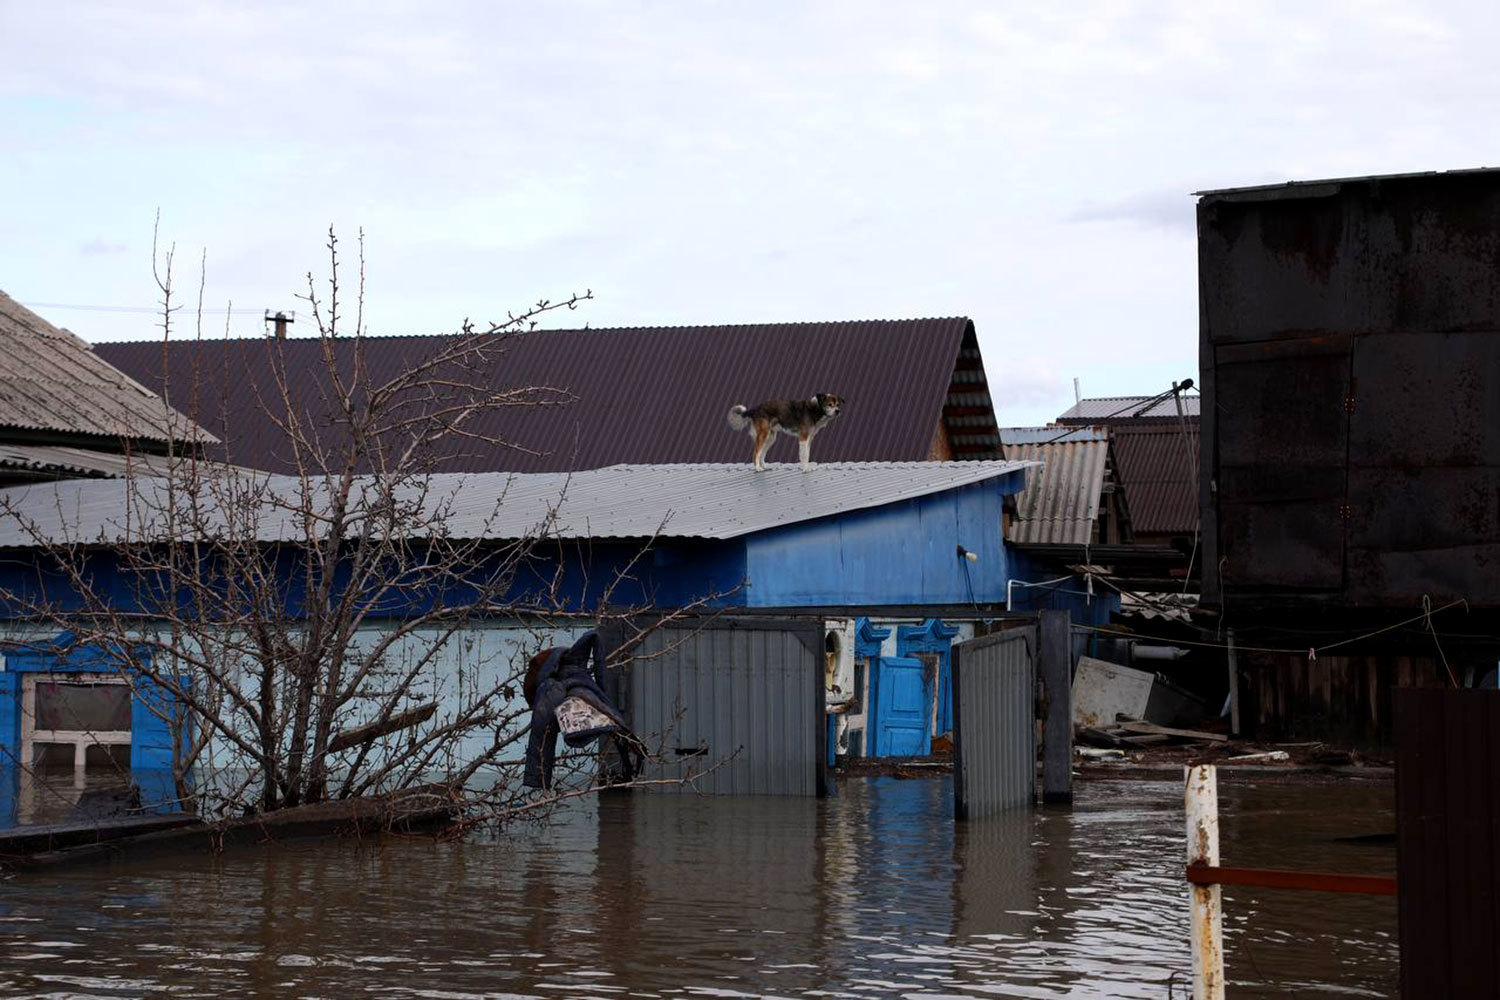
828	404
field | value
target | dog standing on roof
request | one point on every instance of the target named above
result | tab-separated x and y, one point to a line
799	418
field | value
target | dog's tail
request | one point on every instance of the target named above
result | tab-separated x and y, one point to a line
737	419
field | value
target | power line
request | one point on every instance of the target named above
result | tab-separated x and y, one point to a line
1139	405
1426	616
149	310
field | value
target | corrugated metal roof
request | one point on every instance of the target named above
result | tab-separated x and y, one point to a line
640	395
623	501
1126	409
53	460
1061	500
1155	470
50	380
1047	435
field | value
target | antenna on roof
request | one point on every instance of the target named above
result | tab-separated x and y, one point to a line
282	321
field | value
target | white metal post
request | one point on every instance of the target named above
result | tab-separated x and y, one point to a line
1202	801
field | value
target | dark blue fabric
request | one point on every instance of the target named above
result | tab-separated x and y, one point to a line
576	670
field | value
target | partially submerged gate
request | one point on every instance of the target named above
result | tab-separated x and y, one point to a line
994	736
736	704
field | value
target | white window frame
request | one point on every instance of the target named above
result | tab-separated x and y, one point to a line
81	739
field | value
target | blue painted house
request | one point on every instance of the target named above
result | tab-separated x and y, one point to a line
903	557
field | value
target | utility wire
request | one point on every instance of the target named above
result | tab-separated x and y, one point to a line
145	310
1426	615
1134	404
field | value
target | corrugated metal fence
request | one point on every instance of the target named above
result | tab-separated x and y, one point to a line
738	702
994	736
1448	837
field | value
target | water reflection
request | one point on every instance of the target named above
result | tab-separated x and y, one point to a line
870	894
42	795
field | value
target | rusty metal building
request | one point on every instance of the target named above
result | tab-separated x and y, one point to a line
1350	354
1350	370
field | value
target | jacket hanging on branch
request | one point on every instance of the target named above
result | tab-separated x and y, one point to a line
569	698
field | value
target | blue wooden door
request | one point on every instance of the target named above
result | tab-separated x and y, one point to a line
903	708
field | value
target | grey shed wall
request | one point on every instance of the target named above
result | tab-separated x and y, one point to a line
748	694
994	688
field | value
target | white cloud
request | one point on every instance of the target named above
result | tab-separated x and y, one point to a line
1028	166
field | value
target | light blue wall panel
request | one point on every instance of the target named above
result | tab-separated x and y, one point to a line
901	553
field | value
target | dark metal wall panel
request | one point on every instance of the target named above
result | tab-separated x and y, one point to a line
994	689
739	705
1448	835
1432	247
1350	343
1282	441
1426	404
1270	268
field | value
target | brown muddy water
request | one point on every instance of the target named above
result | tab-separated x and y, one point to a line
873	893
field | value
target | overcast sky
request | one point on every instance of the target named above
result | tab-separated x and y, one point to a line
1027	165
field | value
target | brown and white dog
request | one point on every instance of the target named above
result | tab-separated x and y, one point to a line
799	418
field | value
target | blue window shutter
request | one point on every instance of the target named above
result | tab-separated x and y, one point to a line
10	718
150	733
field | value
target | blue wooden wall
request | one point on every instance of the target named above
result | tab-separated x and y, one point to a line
150	730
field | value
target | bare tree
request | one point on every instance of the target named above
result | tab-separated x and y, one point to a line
321	635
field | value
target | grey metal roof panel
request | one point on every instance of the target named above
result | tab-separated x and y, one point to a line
1048	435
50	380
1122	409
637	395
55	460
1061	500
623	501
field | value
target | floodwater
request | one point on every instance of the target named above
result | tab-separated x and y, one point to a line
874	893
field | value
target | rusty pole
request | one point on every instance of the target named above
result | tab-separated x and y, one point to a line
1202	801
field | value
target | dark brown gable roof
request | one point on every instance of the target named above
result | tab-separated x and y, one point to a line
1155	466
640	396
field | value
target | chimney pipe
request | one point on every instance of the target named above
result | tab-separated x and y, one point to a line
282	321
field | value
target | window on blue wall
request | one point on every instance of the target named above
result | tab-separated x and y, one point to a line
87	706
75	721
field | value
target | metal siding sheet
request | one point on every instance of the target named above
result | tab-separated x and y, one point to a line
998	759
746	690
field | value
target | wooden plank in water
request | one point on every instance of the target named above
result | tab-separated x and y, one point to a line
53	836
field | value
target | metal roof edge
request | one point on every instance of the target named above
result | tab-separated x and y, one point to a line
1306	189
502	331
